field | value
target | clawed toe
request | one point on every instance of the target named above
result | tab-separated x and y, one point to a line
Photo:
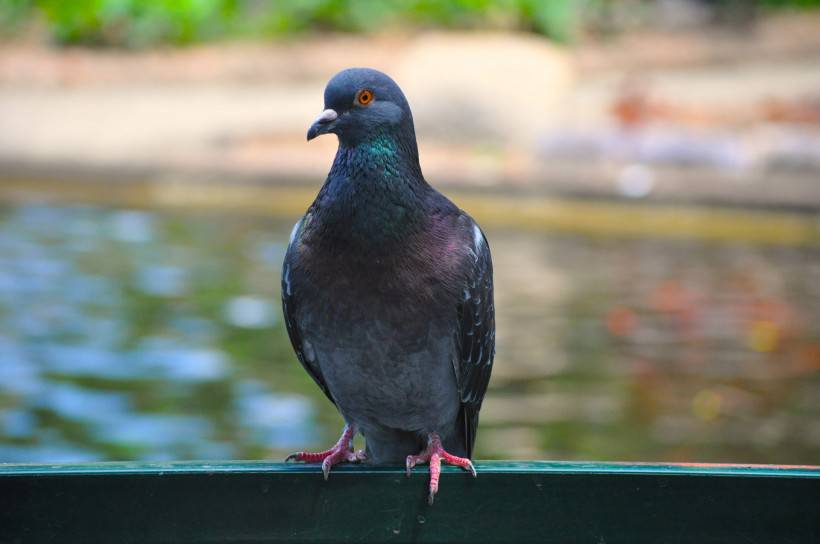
435	454
294	457
471	468
412	460
359	456
342	451
326	464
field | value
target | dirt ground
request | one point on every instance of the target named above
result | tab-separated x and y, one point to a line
698	116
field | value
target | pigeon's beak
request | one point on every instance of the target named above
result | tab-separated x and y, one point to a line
322	124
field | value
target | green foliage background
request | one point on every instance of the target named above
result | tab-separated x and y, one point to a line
141	23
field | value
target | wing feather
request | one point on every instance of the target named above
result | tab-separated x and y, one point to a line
475	337
289	310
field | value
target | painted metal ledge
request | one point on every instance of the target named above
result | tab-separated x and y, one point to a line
509	502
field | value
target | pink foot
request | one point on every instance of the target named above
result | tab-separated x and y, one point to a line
340	452
435	454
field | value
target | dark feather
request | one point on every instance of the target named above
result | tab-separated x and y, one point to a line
475	340
289	303
387	286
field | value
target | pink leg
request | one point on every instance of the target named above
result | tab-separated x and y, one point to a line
341	451
434	454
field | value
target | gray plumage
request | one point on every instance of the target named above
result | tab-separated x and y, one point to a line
387	286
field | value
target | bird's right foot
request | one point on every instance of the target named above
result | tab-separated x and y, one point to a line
342	451
434	454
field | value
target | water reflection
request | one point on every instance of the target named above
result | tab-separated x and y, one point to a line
129	334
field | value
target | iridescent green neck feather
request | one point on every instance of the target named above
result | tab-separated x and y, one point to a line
375	190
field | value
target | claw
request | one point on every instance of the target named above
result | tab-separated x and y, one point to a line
359	456
472	468
434	454
341	451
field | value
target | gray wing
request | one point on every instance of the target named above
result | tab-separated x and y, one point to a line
289	305
475	338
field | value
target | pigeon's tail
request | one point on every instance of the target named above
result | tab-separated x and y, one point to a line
470	424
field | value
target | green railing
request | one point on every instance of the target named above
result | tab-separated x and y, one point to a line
508	502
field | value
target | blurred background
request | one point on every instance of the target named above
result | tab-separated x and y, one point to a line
647	173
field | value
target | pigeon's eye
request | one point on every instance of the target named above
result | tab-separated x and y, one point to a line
364	97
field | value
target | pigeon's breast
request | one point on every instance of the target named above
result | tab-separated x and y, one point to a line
379	377
385	345
380	319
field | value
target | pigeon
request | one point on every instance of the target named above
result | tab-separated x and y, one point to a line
387	291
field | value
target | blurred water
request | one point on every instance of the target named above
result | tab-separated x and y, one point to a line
128	334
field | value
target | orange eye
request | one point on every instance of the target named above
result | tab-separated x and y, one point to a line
364	97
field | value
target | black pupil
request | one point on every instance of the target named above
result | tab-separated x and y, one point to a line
365	97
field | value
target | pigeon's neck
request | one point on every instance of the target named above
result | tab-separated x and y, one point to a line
386	158
375	191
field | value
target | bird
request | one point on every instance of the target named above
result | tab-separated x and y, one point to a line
387	291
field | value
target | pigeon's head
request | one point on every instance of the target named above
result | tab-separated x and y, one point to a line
361	103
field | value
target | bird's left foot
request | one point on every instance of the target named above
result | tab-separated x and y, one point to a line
434	454
342	451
